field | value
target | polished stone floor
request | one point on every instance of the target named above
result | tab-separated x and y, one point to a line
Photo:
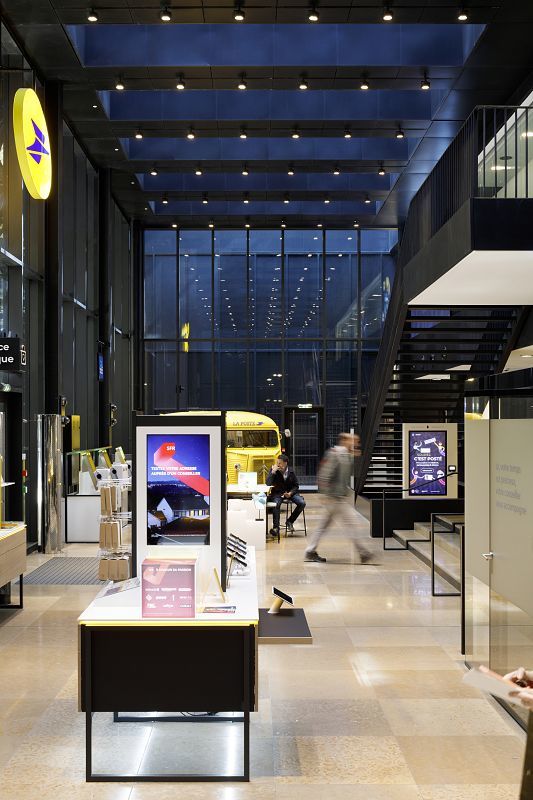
374	710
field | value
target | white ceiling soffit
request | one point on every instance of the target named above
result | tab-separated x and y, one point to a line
519	359
484	278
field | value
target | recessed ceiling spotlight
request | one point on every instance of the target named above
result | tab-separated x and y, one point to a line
243	134
238	14
286	199
319	225
198	171
138	135
387	14
462	15
290	171
283	225
327	200
303	83
347	134
367	200
95	105
242	85
205	200
174	224
245	171
191	134
119	85
92	15
180	86
246	198
246	224
295	133
424	83
211	224
312	14
132	183
336	170
165	15
153	171
165	200
356	224
116	149
381	170
364	84
400	134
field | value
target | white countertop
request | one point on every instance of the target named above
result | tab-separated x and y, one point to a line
125	607
235	488
10	528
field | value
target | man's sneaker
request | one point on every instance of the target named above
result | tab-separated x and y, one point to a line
290	527
366	557
313	556
274	532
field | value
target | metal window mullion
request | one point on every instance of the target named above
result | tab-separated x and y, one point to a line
213	362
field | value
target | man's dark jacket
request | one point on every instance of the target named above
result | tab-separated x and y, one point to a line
280	485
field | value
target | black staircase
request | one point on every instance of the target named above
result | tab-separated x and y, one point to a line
438	350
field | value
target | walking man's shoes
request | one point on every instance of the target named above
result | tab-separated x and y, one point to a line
313	556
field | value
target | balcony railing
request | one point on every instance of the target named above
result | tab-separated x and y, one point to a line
491	157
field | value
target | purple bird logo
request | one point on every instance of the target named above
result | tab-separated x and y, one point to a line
37	150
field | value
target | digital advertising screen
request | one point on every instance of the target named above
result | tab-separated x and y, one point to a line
178	488
427	463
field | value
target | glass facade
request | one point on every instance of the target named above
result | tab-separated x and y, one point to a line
264	320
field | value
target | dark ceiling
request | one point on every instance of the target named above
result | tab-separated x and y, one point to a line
481	61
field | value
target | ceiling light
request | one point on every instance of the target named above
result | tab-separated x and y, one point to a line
246	224
243	134
424	83
319	225
286	199
191	134
347	134
367	200
336	170
119	85
211	224
242	85
364	84
295	134
381	170
356	224
132	183
165	14
174	224
92	15
303	83
205	200
400	134
462	15
312	14
238	14
245	170
165	200
116	149
283	225
180	84
94	105
138	135
290	171
327	200
197	171
387	14
246	198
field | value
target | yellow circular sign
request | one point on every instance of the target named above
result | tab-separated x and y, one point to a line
32	143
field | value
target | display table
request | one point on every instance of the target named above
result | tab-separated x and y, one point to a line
213	662
13	558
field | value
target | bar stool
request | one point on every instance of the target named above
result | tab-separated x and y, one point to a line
289	505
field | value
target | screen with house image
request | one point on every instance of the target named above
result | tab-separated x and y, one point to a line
178	488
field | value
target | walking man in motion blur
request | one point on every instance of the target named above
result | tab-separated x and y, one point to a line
334	476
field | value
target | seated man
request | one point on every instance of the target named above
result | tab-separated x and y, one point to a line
284	484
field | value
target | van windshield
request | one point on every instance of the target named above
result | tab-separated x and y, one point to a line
252	438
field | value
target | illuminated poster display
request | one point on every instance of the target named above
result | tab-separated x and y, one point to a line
178	489
427	463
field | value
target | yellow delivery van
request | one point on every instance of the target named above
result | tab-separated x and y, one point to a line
252	443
